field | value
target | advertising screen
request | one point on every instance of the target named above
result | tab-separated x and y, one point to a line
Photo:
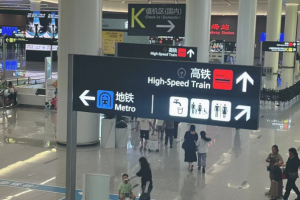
36	25
52	25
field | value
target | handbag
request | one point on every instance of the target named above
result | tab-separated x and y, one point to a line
283	174
293	175
183	144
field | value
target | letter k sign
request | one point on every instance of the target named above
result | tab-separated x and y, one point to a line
135	18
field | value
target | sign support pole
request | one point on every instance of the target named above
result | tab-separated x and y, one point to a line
261	53
4	59
4	68
51	55
71	137
116	49
223	52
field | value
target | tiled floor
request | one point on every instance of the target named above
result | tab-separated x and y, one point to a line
236	168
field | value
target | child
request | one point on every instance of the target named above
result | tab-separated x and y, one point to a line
125	189
202	150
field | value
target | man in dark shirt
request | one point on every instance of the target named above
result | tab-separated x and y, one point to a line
169	126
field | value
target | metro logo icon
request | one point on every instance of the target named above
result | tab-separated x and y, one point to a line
222	79
105	99
181	52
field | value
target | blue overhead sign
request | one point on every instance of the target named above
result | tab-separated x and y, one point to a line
263	37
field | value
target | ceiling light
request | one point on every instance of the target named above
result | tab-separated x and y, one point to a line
149	1
176	1
228	2
123	1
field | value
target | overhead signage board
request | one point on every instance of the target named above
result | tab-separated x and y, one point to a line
201	93
159	52
280	46
109	40
31	40
39	47
156	19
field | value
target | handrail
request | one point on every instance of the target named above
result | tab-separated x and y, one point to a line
3	85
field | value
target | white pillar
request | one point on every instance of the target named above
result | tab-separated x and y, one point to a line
80	32
246	32
298	30
35	5
197	27
289	36
273	32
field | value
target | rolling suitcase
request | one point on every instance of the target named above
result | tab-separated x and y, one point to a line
153	142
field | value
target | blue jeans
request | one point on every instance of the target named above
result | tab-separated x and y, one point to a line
202	160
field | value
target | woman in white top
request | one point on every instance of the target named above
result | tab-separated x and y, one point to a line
202	145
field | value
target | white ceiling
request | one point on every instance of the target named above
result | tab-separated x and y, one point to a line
219	7
25	4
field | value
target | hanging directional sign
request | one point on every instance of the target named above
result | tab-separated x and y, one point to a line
19	40
212	94
156	19
160	52
289	47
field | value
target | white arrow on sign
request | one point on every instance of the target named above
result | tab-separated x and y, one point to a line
83	98
171	26
190	53
245	77
246	110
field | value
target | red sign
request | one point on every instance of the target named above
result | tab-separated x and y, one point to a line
221	29
182	52
225	27
215	27
222	79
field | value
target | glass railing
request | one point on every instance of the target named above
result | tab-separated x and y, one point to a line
22	82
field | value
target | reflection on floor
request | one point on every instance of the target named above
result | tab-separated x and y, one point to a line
236	168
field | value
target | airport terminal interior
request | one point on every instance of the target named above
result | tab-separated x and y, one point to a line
82	83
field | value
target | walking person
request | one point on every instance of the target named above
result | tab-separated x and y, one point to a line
158	124
291	172
169	129
279	72
176	130
202	145
189	146
274	159
146	179
144	125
